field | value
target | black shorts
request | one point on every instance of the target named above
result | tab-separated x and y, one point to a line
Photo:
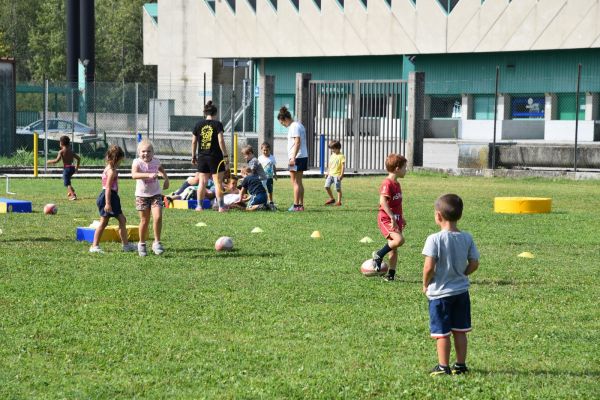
300	165
210	165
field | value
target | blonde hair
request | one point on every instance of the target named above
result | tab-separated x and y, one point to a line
145	143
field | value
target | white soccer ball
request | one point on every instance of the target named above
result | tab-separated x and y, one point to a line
368	269
224	243
50	209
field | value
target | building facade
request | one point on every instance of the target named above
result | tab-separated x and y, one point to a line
534	46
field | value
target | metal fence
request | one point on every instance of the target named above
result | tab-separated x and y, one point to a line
545	123
104	113
368	118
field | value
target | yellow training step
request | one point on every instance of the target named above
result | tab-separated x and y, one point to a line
522	205
110	234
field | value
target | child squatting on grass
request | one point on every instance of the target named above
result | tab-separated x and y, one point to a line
390	218
146	169
67	156
253	186
108	202
335	172
450	256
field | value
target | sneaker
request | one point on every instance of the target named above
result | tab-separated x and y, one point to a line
337	204
389	278
141	248
129	247
198	208
157	248
459	369
376	261
96	249
272	206
330	202
300	208
223	209
439	370
73	197
293	208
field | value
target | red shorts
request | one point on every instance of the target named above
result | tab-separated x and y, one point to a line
385	224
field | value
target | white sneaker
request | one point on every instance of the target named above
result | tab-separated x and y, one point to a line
157	248
141	248
129	247
96	249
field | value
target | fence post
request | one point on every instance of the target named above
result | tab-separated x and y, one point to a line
135	123
301	110
493	164
355	110
577	112
234	149
35	154
45	126
266	101
414	140
322	152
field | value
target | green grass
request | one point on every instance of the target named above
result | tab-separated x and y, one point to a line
287	316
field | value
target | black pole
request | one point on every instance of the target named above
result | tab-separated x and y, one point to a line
87	38
72	39
577	112
495	117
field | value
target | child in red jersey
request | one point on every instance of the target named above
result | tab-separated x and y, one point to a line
390	219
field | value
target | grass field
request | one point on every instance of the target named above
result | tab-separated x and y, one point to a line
287	316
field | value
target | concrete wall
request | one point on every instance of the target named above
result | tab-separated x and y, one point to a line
403	28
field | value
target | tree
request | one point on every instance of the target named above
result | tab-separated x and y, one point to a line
119	42
4	47
47	42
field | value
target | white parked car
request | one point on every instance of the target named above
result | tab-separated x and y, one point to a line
57	127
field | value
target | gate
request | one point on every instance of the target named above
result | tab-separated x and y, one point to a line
368	117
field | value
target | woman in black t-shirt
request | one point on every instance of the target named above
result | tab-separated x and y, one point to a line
209	154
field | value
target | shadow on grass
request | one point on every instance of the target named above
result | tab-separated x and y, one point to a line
35	239
500	282
235	253
591	374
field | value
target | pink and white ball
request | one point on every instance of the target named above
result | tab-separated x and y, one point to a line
224	243
50	209
368	269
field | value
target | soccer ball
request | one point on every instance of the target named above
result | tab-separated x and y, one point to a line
50	209
224	243
367	268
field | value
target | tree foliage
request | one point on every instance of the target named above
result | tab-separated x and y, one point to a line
34	33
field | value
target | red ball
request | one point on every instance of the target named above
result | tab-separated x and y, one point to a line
50	209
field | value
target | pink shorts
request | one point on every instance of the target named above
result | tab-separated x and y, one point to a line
385	224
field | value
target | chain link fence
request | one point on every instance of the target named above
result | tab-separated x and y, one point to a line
500	122
104	113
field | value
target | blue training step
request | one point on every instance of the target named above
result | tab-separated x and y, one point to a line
12	205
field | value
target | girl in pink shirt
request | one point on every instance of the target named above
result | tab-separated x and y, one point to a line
148	195
108	202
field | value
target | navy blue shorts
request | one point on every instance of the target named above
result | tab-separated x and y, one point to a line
258	199
450	314
115	203
301	165
67	174
269	185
